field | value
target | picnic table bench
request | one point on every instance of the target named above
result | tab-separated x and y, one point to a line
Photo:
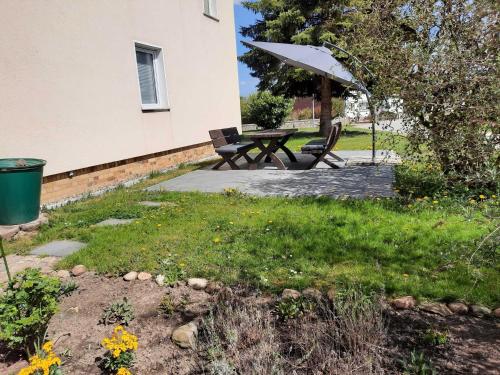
227	143
320	148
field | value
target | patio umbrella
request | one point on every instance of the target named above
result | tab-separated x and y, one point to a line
318	60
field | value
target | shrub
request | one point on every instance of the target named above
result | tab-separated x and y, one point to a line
268	111
26	308
120	312
167	306
417	364
338	106
434	337
291	308
245	115
120	352
68	288
305	114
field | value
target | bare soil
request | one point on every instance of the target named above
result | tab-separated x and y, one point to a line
473	346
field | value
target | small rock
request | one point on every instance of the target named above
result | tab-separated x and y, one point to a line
198	284
79	270
213	287
458	308
479	311
63	274
332	292
160	280
131	276
496	312
143	276
74	310
290	293
7	232
312	293
31	226
404	303
185	336
436	308
44	218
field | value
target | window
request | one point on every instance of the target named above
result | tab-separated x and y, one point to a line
151	77
211	8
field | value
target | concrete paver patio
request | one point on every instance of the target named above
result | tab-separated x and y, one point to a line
357	181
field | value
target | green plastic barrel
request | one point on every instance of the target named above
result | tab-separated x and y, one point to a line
20	189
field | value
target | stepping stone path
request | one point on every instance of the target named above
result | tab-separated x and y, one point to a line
18	263
114	222
59	248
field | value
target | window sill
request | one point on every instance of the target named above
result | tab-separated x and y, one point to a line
146	110
211	17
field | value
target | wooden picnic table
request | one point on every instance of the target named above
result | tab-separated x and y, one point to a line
277	139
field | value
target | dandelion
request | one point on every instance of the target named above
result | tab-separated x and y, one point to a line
158	225
482	197
216	240
270	221
493	196
435	202
123	371
231	223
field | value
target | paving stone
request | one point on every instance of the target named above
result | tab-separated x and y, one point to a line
114	222
150	204
59	248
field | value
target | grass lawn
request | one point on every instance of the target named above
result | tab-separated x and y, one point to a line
352	138
420	248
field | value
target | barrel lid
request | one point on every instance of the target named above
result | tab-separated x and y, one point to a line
19	164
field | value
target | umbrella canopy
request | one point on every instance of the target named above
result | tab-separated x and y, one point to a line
318	60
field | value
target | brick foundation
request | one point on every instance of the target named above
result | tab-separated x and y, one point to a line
60	186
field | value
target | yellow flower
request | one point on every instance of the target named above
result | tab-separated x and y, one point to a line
47	347
158	225
482	196
270	221
231	223
120	342
216	240
435	202
123	371
493	196
42	362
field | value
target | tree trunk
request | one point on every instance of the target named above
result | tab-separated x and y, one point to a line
325	119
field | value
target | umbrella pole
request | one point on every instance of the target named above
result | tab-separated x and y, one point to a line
374	134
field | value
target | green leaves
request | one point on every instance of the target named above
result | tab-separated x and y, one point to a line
268	111
26	308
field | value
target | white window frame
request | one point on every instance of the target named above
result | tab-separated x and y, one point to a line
160	78
210	9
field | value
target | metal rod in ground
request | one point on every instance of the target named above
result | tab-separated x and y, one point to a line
5	261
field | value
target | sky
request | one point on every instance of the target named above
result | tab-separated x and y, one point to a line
244	17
